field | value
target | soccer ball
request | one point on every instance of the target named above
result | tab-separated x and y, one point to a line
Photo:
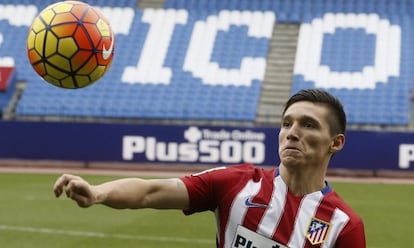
70	44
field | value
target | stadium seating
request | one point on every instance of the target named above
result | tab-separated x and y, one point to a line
359	52
209	63
161	94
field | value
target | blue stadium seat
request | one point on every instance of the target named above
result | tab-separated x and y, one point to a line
350	50
189	96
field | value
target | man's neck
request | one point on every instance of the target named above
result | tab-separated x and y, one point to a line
303	181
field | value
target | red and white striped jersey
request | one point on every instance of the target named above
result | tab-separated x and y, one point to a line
254	208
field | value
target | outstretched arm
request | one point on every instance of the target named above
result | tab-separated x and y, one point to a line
125	193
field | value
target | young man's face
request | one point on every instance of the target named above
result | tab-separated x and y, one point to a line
304	137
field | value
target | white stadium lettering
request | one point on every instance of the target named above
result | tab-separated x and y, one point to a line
149	68
8	12
406	155
198	57
25	14
387	51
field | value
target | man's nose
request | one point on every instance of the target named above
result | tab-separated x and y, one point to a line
293	132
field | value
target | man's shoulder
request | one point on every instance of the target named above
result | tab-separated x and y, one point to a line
253	170
238	171
336	201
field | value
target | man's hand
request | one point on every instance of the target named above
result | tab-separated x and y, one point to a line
76	189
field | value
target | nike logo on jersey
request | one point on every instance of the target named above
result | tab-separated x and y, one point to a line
106	53
250	204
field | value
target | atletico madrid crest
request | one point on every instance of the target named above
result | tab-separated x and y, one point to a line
317	231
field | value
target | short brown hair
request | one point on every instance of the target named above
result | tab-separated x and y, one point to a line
338	124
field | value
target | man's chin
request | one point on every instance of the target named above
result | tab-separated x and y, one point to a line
291	161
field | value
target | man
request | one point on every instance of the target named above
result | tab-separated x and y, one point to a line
288	206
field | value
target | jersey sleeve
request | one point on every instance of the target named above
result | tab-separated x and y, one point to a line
207	189
354	236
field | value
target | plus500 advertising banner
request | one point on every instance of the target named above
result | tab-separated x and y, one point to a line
189	145
137	143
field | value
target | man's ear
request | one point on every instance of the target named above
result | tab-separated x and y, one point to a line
338	143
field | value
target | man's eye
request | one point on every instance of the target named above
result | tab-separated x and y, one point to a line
285	124
308	125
